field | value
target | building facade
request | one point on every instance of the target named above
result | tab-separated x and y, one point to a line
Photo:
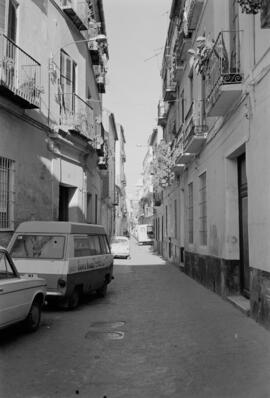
121	213
108	211
52	77
215	75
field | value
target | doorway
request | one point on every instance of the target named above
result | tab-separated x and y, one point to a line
243	226
65	196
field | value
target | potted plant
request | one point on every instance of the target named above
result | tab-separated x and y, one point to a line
250	6
201	53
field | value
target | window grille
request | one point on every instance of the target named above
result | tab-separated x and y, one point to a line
6	193
203	210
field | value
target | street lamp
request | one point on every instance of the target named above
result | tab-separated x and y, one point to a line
98	38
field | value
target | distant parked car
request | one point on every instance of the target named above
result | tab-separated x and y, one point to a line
21	297
120	247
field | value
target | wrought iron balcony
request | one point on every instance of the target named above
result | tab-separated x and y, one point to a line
77	11
157	198
182	157
192	12
195	132
177	168
102	163
124	181
101	84
77	116
183	44
223	76
19	75
162	113
94	49
169	91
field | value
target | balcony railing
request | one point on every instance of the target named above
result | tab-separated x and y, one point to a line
157	198
19	75
94	49
77	116
101	84
77	11
102	163
181	156
195	132
162	113
169	90
223	75
183	44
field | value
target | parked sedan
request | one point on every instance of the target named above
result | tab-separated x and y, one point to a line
21	297
120	247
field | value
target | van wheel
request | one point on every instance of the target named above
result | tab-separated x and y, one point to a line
33	318
74	299
102	291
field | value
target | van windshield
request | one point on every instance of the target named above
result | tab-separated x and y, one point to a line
38	246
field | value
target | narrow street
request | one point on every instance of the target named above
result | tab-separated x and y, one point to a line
158	333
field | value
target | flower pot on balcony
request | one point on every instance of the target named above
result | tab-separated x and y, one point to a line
250	6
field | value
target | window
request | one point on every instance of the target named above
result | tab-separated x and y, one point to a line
203	210
94	244
87	245
190	213
234	39
6	270
67	82
38	246
105	248
12	20
89	207
6	193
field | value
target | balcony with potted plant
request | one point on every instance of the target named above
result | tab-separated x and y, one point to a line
101	83
195	131
76	117
169	87
19	75
162	113
223	76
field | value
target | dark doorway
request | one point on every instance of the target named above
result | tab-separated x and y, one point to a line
64	197
243	226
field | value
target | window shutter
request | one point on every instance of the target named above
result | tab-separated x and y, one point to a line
12	22
2	15
265	14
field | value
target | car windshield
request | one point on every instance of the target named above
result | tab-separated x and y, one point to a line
38	246
120	240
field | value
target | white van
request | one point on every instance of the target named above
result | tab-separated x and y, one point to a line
73	258
145	234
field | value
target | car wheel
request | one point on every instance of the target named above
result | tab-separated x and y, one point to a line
102	291
74	299
33	318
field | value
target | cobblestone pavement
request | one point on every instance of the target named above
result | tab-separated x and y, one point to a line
157	334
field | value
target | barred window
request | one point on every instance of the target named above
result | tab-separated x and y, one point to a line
190	212
6	193
203	210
